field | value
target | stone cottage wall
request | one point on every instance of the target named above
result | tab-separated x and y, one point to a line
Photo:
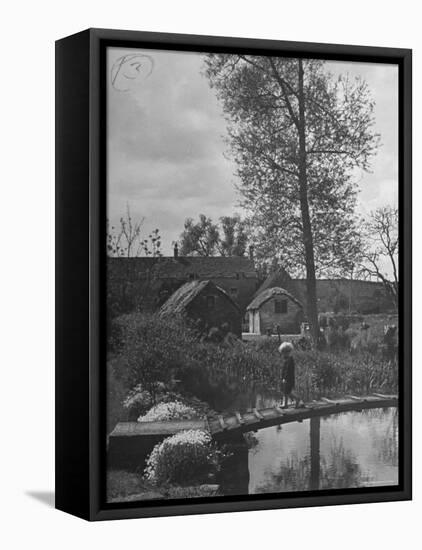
289	322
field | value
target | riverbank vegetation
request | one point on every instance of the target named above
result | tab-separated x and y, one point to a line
161	369
160	360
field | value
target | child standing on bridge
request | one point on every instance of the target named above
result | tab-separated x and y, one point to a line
288	374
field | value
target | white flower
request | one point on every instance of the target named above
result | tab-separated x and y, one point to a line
168	411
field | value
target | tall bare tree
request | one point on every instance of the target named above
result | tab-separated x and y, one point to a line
380	255
126	240
297	134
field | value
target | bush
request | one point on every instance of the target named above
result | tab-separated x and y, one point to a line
138	401
186	458
174	410
147	355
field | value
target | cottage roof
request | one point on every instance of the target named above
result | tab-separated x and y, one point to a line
179	300
271	293
278	278
183	267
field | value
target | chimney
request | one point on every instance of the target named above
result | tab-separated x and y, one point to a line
176	250
251	248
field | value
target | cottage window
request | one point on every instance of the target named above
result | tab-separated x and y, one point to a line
233	291
280	306
210	301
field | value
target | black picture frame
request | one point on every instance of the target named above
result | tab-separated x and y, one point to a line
80	273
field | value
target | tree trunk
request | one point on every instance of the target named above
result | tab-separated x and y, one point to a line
311	297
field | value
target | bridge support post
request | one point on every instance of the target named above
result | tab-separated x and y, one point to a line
315	435
234	474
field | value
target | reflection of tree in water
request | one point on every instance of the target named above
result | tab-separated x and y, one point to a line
339	470
388	450
384	427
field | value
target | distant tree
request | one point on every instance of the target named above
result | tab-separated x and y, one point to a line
200	238
125	240
379	258
297	135
233	236
205	238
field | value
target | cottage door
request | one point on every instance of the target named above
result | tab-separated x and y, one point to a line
256	322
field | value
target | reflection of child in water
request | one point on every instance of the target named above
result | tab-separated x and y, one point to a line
288	373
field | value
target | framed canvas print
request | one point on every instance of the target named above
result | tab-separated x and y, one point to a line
233	274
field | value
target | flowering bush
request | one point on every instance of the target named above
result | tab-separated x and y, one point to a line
186	458
174	410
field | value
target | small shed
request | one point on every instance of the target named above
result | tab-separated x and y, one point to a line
273	310
207	303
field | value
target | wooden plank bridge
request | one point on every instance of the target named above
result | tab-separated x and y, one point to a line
131	442
229	425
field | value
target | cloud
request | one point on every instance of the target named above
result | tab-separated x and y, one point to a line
166	141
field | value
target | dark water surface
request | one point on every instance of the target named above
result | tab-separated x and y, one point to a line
354	449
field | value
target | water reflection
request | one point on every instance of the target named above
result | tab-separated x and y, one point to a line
353	449
348	450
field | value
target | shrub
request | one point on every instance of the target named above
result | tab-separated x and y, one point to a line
186	458
137	402
147	355
173	410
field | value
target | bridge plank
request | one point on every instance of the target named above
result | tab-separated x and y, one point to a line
258	415
254	420
222	423
330	401
239	418
356	398
382	396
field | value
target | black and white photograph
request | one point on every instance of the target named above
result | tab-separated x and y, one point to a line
252	282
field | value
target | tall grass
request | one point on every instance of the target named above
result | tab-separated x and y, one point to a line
156	351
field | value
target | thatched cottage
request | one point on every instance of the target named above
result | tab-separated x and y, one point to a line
205	303
275	310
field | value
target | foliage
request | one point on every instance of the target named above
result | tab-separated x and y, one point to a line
297	135
227	377
261	100
234	239
205	238
139	401
147	355
185	458
173	410
123	486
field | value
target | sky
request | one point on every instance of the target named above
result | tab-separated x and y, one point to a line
166	141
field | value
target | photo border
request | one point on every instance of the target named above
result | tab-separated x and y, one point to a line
99	41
